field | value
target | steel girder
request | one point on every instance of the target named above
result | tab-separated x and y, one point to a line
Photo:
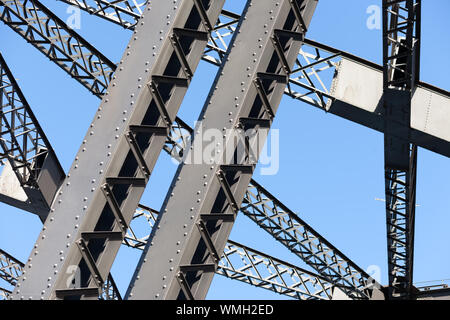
39	168
183	254
286	227
306	84
131	125
401	62
30	156
126	14
238	262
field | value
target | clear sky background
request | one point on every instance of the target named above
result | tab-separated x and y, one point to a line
331	170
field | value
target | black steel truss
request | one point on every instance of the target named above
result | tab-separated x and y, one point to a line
61	44
401	62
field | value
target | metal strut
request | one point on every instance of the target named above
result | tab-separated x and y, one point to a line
171	143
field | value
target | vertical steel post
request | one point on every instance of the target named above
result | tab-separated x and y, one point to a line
401	34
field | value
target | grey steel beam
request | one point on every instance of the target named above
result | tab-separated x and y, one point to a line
27	195
247	265
76	56
62	45
183	254
355	112
401	62
91	213
33	173
285	226
178	139
436	294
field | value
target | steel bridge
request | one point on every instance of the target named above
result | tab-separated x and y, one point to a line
261	54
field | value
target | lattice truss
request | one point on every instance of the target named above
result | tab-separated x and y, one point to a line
21	140
125	13
310	81
50	35
401	57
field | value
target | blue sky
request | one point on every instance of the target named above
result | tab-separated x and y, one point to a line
331	170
